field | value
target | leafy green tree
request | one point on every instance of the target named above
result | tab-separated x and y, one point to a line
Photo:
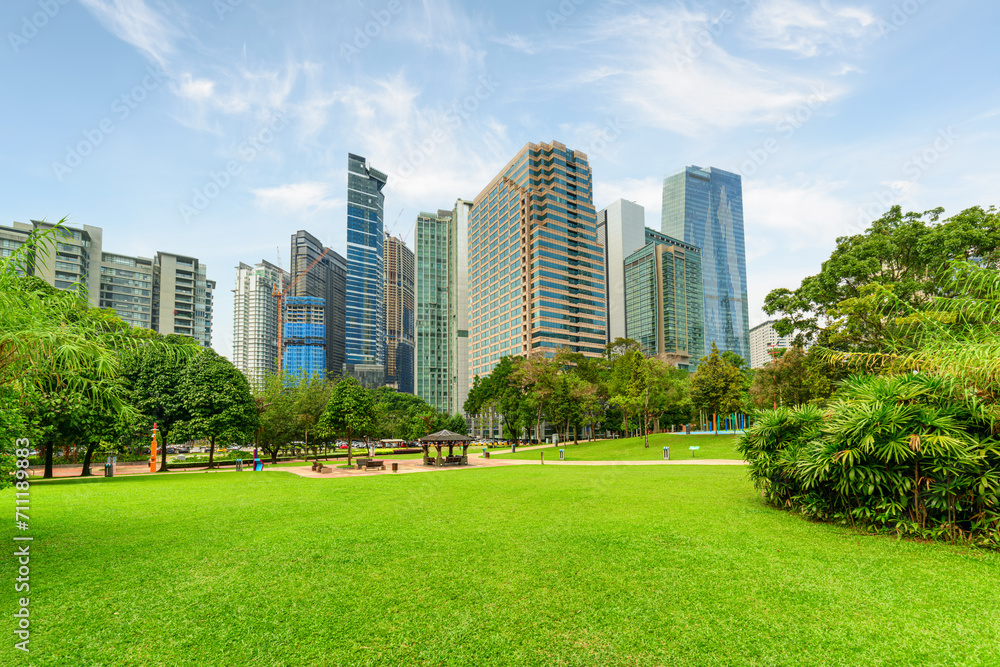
310	396
717	386
13	426
536	375
842	307
629	383
502	393
217	399
274	403
152	377
457	424
350	413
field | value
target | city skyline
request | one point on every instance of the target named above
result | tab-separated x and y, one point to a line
217	133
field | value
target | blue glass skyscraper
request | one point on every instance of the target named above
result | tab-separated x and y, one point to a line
704	207
365	238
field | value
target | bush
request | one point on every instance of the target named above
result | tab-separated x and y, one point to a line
910	455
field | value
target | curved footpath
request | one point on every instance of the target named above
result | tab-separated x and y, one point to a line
478	461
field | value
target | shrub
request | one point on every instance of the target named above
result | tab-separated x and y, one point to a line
907	454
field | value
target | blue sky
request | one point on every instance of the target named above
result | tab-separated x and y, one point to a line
218	128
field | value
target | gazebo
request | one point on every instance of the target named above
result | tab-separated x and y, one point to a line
440	439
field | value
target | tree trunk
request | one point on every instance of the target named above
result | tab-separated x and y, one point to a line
162	442
274	456
350	448
86	460
211	452
48	460
645	423
715	423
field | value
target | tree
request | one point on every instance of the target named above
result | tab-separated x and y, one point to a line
536	376
906	253
274	404
795	378
217	399
350	412
717	386
629	383
152	377
310	396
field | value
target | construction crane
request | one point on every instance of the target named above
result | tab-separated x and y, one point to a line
280	296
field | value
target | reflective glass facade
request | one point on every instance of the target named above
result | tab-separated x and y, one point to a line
399	315
305	336
365	308
704	207
663	299
432	308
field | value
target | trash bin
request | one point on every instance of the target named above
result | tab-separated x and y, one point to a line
395	466
666	453
562	454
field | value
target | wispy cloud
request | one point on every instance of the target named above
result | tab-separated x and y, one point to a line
134	22
306	197
809	28
656	63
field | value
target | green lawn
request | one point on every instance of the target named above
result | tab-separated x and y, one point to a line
633	449
614	565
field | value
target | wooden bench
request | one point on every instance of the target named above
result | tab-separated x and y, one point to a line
453	460
373	464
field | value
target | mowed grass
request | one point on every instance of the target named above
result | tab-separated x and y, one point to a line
634	449
527	565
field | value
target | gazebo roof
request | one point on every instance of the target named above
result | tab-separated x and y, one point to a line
445	436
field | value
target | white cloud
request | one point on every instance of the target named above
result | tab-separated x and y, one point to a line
134	22
809	28
803	214
665	69
306	197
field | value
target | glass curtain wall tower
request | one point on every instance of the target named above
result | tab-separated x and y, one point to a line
365	237
704	207
442	362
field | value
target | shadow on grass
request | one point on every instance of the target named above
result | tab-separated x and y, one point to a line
136	479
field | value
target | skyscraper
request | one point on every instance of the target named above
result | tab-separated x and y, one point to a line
317	296
621	230
704	207
399	314
663	300
256	319
442	360
432	308
536	267
365	308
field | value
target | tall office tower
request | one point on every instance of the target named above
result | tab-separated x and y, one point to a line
663	300
704	207
182	297
318	273
536	267
365	309
764	341
127	288
458	307
432	309
399	315
256	320
621	229
304	339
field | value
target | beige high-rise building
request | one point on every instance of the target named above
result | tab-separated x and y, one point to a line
184	297
536	266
